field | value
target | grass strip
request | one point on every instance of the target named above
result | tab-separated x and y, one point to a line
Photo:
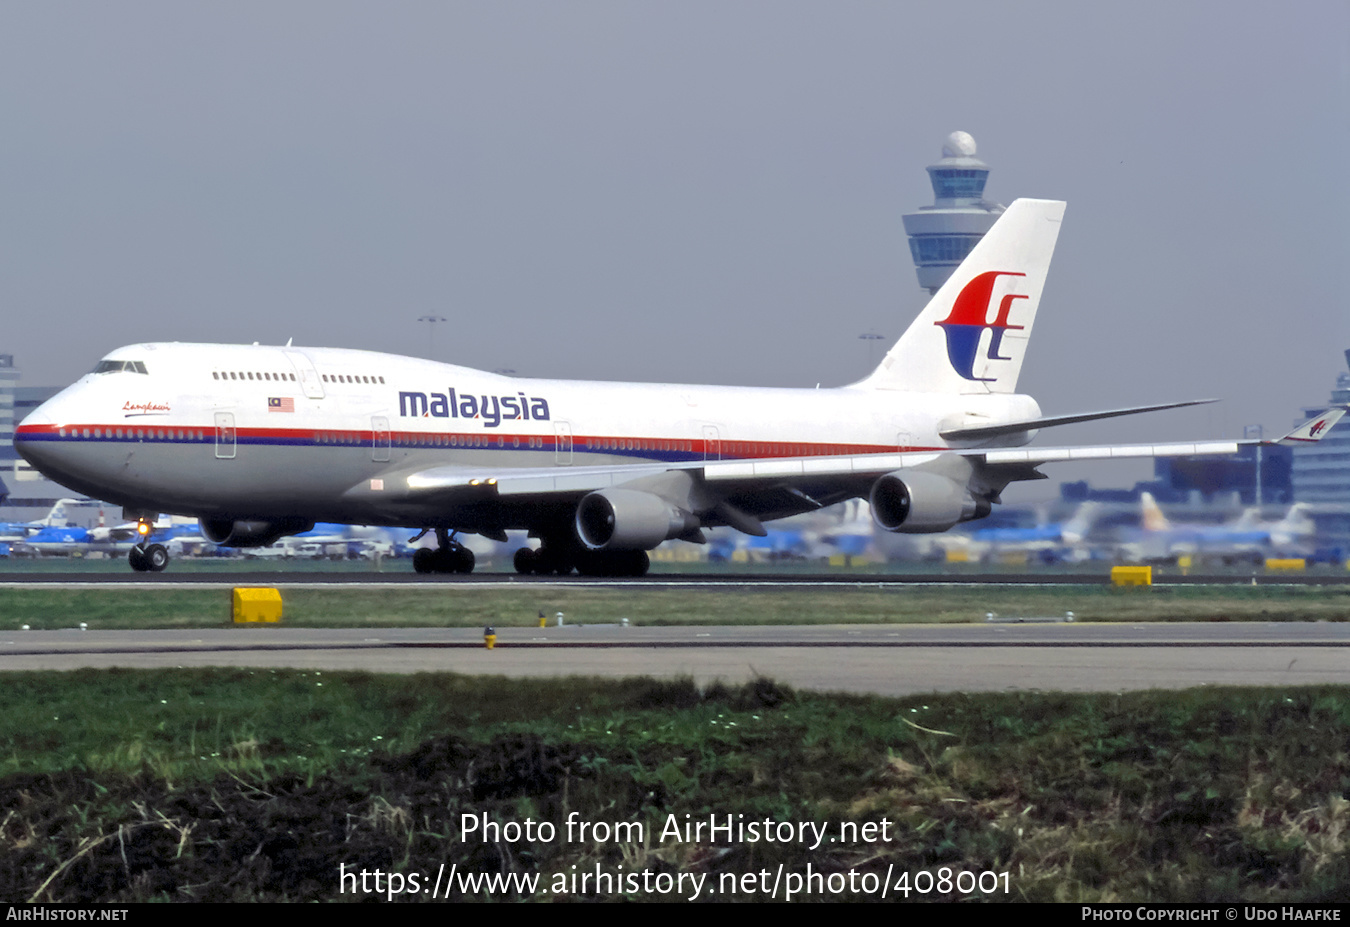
112	607
259	785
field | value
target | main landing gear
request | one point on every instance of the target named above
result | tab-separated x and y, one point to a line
450	556
147	558
561	559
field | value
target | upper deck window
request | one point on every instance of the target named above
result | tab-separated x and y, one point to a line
116	366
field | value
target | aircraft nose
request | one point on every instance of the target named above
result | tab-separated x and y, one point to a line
29	436
38	416
37	439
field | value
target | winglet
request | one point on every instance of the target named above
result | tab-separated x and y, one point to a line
1311	431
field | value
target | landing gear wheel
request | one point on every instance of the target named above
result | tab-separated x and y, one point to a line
525	561
450	557
156	558
559	562
638	563
136	558
614	563
457	559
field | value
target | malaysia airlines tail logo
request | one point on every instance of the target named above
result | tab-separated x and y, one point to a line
969	318
1317	429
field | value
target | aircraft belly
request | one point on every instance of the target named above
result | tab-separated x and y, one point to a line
190	479
90	469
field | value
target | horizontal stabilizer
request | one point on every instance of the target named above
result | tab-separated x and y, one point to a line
1010	428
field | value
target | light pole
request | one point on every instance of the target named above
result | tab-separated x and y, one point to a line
871	337
431	321
1253	433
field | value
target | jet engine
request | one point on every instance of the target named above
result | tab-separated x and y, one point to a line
630	519
917	502
229	533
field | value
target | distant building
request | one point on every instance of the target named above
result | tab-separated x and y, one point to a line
1178	479
941	235
1322	471
26	494
1322	474
9	379
1216	480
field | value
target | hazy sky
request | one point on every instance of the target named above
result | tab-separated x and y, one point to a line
688	192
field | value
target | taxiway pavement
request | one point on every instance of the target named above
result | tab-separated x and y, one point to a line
880	659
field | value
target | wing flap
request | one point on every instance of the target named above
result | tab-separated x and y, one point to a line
529	481
1037	456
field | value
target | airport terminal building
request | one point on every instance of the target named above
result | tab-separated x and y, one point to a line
1322	472
25	494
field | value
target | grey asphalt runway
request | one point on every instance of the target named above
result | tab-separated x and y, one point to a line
887	660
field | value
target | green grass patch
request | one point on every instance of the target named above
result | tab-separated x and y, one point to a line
444	605
240	785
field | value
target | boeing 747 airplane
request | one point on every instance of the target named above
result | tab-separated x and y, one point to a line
259	442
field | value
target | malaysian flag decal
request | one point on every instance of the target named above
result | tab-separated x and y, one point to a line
280	404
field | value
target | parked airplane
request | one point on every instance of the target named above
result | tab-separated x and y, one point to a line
71	540
1064	540
1245	538
260	442
339	541
55	518
63	540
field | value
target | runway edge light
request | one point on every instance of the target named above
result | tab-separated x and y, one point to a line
253	605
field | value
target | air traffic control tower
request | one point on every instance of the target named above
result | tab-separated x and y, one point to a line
941	235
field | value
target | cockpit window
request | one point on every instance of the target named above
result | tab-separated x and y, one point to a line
118	366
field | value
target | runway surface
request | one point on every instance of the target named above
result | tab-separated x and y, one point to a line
887	660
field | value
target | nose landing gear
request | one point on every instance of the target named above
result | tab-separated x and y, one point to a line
152	558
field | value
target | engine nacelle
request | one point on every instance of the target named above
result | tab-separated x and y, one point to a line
917	502
229	533
629	519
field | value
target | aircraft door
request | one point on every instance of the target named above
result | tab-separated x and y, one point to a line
225	436
712	443
563	447
309	377
379	438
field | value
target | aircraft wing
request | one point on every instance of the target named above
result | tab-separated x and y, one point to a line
743	493
739	493
1034	424
452	482
822	481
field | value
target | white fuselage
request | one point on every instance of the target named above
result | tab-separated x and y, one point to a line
244	431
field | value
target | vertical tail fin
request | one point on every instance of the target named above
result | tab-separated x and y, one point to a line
1296	523
1151	517
1077	527
972	335
57	516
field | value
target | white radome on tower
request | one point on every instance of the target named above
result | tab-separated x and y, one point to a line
959	145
